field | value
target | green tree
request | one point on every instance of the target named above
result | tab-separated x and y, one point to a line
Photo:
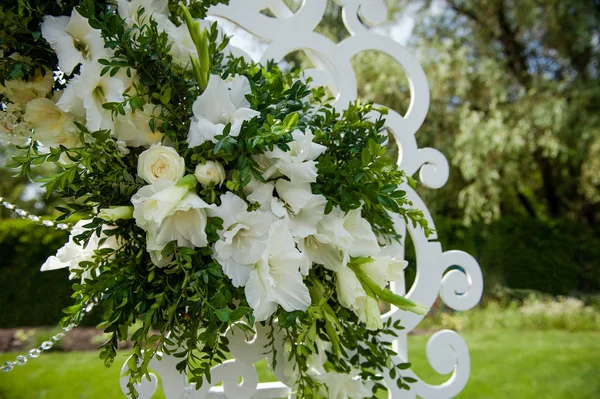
515	99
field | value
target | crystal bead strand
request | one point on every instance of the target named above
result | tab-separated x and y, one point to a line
36	352
45	346
36	219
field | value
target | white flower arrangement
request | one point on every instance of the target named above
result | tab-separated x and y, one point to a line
217	194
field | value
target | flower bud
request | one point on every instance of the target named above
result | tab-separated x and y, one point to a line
115	213
211	172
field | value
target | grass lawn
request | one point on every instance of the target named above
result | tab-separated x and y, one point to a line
504	364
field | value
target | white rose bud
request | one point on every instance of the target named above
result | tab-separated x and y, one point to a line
116	213
159	162
210	172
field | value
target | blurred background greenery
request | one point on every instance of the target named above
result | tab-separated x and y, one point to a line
515	101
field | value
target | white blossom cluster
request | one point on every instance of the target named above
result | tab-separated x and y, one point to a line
272	235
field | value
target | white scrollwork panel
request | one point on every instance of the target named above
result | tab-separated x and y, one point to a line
454	276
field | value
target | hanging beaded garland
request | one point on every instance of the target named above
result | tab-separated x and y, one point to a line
35	219
46	345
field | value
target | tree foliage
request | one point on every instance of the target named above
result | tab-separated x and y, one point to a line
515	98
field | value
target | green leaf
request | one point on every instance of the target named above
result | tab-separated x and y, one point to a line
223	314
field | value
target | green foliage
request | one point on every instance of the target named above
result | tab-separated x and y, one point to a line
371	179
29	297
514	101
190	303
558	258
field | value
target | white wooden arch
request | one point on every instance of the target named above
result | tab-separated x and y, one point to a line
459	288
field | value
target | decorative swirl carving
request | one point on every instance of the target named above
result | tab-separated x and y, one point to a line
459	288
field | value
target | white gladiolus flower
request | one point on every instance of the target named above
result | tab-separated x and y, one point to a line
153	203
74	40
51	125
345	386
340	237
158	10
351	232
296	203
384	269
186	224
21	92
276	279
211	172
349	288
160	162
260	193
220	104
269	167
319	248
352	295
86	93
303	216
299	162
72	253
134	127
242	240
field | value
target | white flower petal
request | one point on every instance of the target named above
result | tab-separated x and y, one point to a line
320	250
153	203
53	263
364	242
230	209
295	195
214	104
368	312
239	87
134	128
305	222
290	291
187	225
53	30
262	194
237	272
257	294
348	288
306	149
377	270
239	117
203	130
303	172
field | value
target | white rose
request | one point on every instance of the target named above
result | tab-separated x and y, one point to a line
211	172
159	162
